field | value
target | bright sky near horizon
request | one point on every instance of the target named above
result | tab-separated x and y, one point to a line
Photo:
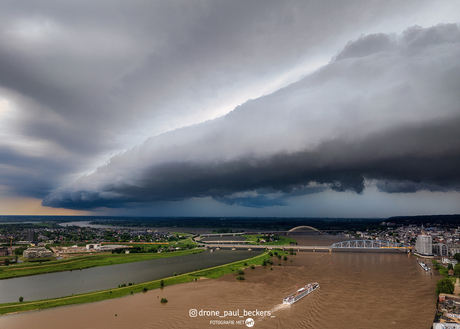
230	108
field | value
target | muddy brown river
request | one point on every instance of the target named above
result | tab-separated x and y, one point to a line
357	290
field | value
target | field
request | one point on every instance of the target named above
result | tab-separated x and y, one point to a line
213	273
81	262
281	241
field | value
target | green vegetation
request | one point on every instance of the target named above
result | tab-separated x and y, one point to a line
457	270
81	262
19	251
212	273
240	277
164	300
444	286
240	271
279	240
457	257
216	272
447	284
265	262
21	299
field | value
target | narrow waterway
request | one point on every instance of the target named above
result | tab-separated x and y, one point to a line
61	284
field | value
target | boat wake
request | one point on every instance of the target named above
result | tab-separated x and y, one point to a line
279	307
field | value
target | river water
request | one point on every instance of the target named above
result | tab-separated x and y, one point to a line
61	284
357	290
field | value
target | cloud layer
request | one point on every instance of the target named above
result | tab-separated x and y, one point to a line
80	82
385	110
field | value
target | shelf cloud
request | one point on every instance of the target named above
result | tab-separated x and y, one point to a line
384	111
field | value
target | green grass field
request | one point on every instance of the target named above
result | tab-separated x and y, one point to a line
212	273
282	240
81	262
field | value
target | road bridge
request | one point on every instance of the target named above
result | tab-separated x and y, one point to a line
370	245
365	245
269	247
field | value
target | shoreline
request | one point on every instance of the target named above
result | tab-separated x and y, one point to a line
107	260
211	273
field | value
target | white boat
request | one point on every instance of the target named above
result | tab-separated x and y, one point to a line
302	292
424	266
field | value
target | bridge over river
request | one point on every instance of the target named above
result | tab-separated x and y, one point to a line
352	245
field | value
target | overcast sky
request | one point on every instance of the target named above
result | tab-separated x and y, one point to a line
230	108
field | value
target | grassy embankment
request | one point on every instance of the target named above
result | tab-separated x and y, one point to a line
443	271
212	273
81	262
282	240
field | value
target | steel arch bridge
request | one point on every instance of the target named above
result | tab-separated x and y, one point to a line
369	244
303	227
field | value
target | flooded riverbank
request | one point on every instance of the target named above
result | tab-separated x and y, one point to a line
357	290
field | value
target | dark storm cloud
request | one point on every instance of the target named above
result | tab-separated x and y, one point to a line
35	179
404	160
385	109
94	78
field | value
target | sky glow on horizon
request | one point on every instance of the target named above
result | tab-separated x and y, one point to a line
305	109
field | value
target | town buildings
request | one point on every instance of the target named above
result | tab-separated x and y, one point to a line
30	235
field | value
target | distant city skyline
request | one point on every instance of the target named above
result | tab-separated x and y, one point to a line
304	109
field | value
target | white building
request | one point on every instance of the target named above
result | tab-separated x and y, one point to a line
423	245
93	246
449	261
39	252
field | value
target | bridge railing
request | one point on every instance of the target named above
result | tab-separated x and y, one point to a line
368	244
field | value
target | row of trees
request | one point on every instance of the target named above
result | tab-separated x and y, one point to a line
444	286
